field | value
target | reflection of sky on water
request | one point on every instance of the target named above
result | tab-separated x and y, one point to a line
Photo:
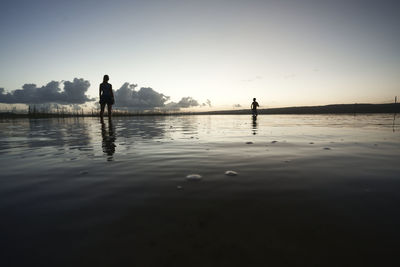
151	127
83	138
34	134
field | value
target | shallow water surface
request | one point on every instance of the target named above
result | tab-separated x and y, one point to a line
76	191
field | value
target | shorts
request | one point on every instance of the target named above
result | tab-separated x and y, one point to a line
109	100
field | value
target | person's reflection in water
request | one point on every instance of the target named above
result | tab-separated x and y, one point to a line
254	125
109	138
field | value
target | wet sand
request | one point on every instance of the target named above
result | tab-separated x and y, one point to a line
310	191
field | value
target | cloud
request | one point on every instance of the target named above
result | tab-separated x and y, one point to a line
75	91
237	106
148	98
145	98
72	93
208	103
185	102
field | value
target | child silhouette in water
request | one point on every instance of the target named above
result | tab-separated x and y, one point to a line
106	96
254	106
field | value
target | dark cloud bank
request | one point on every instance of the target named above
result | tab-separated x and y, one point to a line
147	98
74	93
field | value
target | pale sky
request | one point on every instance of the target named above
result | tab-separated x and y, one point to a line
284	53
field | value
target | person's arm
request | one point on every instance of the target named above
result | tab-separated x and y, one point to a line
99	91
251	106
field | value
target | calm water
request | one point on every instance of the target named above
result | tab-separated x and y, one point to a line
71	187
172	147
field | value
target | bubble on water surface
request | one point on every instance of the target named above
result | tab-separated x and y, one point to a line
231	173
194	177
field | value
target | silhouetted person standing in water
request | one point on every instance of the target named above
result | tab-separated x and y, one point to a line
254	106
106	96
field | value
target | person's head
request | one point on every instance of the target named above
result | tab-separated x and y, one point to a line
254	99
105	78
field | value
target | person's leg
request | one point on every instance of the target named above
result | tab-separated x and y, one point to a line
102	106
109	107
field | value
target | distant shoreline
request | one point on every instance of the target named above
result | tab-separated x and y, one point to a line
326	109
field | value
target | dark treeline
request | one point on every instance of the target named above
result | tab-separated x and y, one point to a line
328	109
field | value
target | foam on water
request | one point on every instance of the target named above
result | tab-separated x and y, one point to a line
231	173
194	177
